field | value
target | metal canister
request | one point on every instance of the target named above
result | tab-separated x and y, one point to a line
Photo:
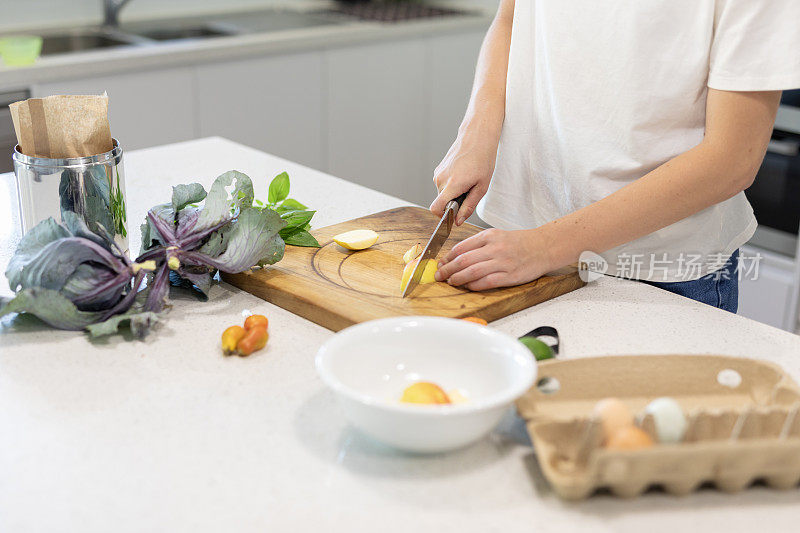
92	187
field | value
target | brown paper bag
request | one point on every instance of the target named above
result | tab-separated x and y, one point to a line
58	127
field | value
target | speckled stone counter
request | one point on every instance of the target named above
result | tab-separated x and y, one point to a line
168	435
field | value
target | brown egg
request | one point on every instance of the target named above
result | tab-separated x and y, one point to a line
629	438
614	415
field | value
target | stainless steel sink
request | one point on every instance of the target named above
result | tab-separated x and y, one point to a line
155	32
178	32
80	41
204	27
275	20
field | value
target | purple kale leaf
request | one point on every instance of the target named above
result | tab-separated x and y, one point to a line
227	234
70	277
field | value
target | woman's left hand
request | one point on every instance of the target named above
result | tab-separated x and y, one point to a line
496	258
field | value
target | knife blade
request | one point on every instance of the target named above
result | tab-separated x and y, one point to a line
435	243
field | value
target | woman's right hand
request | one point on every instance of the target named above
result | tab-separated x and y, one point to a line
468	166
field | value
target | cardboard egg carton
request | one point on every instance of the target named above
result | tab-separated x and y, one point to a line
743	424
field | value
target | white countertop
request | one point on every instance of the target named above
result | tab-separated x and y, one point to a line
169	435
104	62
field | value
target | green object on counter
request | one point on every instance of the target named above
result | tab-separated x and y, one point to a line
539	349
20	50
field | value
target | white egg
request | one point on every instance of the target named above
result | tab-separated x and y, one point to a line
670	422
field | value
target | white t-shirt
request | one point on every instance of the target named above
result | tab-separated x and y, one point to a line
601	92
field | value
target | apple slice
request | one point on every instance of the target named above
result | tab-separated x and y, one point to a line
357	239
412	253
424	392
431	266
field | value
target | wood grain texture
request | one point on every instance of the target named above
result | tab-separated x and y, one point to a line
336	288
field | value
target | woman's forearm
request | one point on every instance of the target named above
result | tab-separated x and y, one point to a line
738	129
486	109
468	165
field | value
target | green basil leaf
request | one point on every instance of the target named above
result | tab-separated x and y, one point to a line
290	204
297	219
279	188
300	237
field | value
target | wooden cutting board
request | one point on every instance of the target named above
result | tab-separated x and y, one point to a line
337	288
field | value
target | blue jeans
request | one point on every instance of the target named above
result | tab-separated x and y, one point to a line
719	289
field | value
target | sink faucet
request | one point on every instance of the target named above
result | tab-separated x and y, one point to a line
111	9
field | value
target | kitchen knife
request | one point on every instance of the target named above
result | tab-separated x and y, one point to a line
435	243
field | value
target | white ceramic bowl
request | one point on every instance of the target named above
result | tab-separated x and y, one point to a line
369	365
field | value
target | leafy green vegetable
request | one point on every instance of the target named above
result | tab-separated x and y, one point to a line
183	195
290	204
98	190
278	188
297	219
50	307
70	277
297	216
217	207
29	247
300	237
74	276
57	311
139	323
227	233
117	208
91	273
252	240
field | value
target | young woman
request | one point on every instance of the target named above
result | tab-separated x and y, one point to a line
628	128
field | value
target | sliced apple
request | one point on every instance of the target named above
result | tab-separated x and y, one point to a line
357	239
424	392
457	396
431	266
412	253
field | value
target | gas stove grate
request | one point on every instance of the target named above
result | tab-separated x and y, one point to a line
392	11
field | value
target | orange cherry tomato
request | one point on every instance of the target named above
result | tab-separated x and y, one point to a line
231	338
256	320
255	339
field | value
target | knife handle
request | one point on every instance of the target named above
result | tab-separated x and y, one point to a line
458	201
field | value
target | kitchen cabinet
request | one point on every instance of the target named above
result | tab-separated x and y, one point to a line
380	114
146	108
394	110
271	103
771	298
376	116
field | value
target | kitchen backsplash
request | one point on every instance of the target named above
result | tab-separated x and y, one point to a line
18	15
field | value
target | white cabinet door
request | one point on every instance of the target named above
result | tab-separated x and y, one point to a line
147	108
377	123
451	69
770	297
272	103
